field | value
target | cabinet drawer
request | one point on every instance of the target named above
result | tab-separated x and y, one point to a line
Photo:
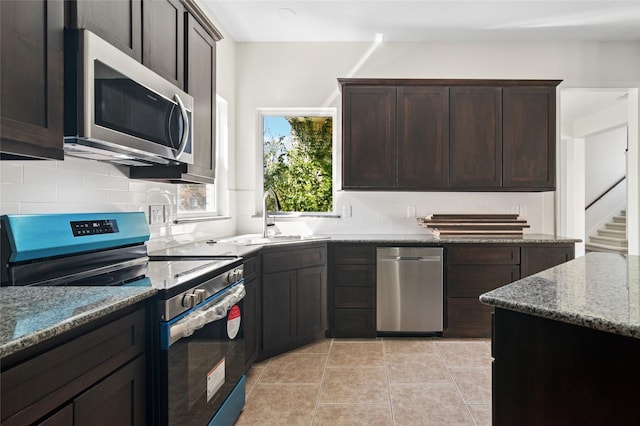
483	254
354	275
354	254
473	280
251	268
467	317
276	260
354	323
354	297
43	383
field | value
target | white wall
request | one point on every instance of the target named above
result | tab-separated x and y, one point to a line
605	161
289	75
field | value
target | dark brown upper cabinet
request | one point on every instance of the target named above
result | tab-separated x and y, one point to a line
476	137
529	127
448	135
423	137
163	39
151	31
369	133
31	88
118	22
395	137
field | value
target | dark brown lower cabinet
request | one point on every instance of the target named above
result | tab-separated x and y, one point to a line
353	290
112	401
548	372
534	259
474	269
252	307
294	297
95	378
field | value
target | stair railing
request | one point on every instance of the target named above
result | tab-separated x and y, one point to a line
605	192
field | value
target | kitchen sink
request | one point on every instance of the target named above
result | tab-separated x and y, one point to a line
257	239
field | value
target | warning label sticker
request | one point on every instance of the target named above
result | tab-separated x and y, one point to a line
233	322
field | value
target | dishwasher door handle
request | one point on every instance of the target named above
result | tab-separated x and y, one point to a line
410	258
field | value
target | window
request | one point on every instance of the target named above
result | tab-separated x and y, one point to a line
297	158
196	199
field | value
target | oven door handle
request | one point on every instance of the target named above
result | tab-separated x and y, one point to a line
207	313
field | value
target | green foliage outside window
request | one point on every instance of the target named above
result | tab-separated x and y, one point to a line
298	166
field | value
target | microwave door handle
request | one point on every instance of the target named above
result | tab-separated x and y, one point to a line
185	127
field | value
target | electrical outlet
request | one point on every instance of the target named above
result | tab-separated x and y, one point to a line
156	214
411	211
346	211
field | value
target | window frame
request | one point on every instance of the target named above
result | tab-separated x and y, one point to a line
297	112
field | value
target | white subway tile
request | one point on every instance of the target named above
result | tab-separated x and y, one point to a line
106	182
64	179
80	164
10	172
127	197
9	208
27	193
82	196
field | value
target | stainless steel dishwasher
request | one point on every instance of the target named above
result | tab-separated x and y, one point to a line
409	289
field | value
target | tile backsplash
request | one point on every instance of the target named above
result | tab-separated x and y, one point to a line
76	185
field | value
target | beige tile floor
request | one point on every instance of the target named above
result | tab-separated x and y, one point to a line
384	381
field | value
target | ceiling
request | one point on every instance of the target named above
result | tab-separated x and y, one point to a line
428	20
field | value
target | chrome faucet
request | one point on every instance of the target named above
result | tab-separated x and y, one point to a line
264	209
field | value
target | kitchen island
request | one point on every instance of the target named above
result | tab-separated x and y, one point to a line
566	344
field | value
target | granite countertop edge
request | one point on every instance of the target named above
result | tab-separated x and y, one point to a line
584	320
425	238
13	346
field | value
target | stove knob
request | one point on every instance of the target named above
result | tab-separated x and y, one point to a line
200	294
189	300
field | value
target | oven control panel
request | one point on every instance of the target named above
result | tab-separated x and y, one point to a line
81	228
200	292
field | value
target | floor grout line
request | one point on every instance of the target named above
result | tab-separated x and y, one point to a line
386	370
324	372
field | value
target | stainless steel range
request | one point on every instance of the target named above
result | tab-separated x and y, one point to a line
197	365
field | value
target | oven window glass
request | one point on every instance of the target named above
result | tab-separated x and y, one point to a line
123	105
201	370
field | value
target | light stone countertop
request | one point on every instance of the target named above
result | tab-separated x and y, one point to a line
30	315
599	291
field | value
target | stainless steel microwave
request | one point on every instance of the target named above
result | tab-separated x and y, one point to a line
118	110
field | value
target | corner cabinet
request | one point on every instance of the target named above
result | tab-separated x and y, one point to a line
294	297
31	88
175	39
448	135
